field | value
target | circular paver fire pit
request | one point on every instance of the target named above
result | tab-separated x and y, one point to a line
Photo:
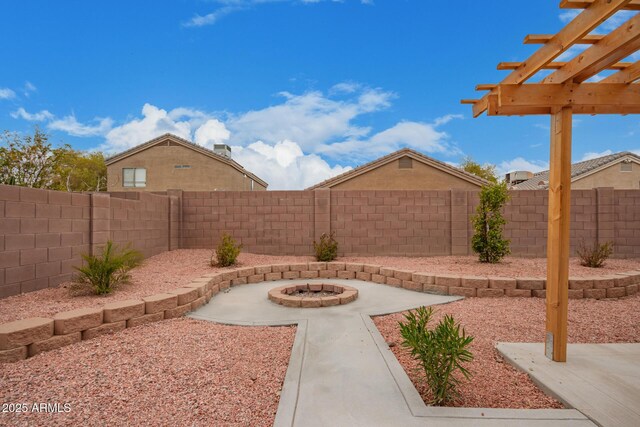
313	295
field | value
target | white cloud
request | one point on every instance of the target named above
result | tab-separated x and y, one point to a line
344	87
310	119
70	125
29	88
211	132
155	122
40	116
284	166
6	93
420	136
520	164
231	6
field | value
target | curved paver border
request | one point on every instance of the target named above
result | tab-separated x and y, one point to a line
28	337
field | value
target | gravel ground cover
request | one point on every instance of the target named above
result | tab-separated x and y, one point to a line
173	269
176	372
163	272
509	267
495	383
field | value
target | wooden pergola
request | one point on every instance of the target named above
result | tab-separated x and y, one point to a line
562	94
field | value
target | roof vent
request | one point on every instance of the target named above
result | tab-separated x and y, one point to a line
222	149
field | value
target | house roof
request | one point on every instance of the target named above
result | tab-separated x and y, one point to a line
188	144
462	174
540	180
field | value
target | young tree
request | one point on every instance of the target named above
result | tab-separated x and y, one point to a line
80	171
488	221
29	161
486	171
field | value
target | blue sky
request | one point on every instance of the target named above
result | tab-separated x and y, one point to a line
301	90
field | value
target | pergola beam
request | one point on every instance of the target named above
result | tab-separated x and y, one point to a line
544	38
598	12
580	95
559	65
583	4
628	75
617	45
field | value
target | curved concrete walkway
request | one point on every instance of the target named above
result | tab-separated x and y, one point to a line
341	372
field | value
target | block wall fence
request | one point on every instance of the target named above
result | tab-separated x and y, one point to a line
43	233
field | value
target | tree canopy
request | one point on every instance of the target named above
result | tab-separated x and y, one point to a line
486	171
32	161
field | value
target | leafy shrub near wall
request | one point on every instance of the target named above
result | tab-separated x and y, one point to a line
488	221
227	251
103	273
327	249
594	255
442	351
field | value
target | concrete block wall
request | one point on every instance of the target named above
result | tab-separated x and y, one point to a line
142	219
271	222
626	223
42	235
391	222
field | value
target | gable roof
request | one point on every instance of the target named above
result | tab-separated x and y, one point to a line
462	174
578	170
187	144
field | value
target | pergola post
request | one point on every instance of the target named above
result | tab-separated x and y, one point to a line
558	235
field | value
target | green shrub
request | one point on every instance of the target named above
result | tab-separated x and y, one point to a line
595	255
227	251
441	351
103	273
327	249
487	240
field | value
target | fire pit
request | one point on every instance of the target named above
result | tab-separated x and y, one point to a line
313	295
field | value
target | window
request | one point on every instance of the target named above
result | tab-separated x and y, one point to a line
625	166
134	177
405	163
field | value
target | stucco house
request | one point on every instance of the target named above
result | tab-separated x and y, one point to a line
170	162
619	170
404	169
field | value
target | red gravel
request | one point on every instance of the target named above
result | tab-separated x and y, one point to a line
176	372
509	267
173	269
160	273
496	384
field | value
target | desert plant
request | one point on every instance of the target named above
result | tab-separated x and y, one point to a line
441	351
104	272
488	221
594	255
327	249
227	251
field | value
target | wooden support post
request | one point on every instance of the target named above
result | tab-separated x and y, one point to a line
558	235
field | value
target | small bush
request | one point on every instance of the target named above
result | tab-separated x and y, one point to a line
595	255
103	273
487	240
441	351
227	251
327	249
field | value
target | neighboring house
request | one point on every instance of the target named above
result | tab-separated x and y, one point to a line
619	170
172	163
404	170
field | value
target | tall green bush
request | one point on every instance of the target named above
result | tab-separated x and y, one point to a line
104	272
227	252
442	352
488	221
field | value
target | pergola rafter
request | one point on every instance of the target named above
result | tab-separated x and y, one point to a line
561	95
